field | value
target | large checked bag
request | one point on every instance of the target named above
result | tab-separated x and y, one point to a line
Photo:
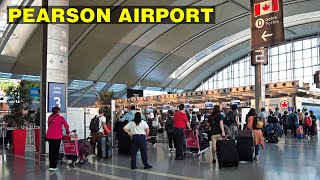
103	147
227	153
245	148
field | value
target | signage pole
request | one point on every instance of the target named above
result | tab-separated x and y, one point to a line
54	71
267	28
259	88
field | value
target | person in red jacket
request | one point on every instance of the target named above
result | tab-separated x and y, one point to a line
54	136
180	122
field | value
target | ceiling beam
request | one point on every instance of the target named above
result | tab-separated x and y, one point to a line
240	5
85	89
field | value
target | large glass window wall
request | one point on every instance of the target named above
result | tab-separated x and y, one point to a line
295	60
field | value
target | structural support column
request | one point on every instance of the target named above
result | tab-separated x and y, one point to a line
54	71
259	88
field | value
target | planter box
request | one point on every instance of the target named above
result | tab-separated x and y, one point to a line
19	137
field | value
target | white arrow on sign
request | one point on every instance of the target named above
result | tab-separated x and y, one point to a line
264	35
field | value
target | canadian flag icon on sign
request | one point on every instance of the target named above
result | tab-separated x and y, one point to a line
266	7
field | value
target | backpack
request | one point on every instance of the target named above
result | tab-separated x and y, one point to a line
293	119
94	124
169	125
308	121
272	119
193	121
231	118
257	124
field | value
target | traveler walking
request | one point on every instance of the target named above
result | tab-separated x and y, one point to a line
54	136
170	130
277	113
233	119
300	115
217	129
313	129
257	132
307	124
285	121
263	116
98	127
138	130
293	123
194	120
180	123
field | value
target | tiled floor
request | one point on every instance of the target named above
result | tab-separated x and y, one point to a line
290	159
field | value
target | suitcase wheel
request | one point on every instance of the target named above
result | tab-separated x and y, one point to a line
75	164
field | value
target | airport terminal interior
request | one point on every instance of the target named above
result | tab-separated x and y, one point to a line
231	99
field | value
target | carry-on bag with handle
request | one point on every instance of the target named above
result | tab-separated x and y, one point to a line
245	145
102	147
109	154
245	148
227	153
245	134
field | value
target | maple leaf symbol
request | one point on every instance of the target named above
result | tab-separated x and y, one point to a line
266	7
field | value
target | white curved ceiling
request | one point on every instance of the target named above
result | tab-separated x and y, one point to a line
149	54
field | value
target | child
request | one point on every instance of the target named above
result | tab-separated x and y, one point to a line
300	134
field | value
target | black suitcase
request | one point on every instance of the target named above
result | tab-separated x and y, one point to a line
314	129
124	145
273	138
227	153
245	148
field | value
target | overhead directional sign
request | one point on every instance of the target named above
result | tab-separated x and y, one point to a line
259	56
266	23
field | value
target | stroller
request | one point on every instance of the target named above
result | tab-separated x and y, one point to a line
196	141
273	132
77	151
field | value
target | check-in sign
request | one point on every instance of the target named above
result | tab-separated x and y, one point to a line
266	23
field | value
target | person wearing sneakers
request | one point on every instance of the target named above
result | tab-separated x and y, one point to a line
180	122
138	130
170	130
257	133
54	136
216	129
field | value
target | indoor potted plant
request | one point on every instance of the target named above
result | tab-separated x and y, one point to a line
19	100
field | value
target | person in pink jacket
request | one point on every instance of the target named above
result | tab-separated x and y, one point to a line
54	136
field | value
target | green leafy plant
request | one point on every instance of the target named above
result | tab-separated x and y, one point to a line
105	98
19	100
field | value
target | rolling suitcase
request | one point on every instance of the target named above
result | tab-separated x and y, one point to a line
109	154
227	153
245	148
314	129
245	145
102	147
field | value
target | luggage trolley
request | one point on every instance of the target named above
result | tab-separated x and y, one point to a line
71	149
196	143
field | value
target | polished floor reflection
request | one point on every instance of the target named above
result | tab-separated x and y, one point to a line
289	159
